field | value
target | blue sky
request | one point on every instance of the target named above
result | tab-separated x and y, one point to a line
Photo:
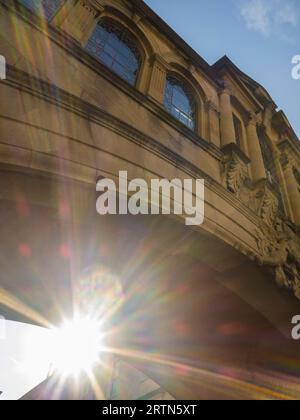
259	36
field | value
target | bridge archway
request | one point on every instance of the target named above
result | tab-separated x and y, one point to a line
190	299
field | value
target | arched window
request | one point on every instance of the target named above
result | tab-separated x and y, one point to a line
179	102
46	8
115	47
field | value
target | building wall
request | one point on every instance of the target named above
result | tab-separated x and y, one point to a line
66	120
106	125
239	201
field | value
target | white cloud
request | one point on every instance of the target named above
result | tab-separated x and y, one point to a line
287	15
257	16
269	16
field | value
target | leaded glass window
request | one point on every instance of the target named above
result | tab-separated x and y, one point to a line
46	8
115	47
179	102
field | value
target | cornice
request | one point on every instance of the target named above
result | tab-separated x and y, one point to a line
233	148
226	66
291	150
97	4
281	123
240	88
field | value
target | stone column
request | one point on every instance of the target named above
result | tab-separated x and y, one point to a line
292	190
80	21
212	133
158	79
255	153
227	125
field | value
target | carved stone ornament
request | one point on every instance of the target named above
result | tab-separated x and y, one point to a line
265	203
235	171
269	208
279	249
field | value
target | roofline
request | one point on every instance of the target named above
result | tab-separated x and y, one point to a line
226	62
234	71
290	128
146	11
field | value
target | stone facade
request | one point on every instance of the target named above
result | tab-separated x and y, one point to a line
236	175
66	116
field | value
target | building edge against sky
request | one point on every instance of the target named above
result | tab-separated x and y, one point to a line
95	87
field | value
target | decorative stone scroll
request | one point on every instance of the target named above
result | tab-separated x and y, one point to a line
234	168
265	203
279	249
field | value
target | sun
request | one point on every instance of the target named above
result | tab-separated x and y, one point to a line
76	346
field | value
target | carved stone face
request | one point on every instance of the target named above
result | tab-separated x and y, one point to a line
278	225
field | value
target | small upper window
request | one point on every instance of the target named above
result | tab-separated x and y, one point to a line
238	131
46	8
179	102
268	158
115	47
